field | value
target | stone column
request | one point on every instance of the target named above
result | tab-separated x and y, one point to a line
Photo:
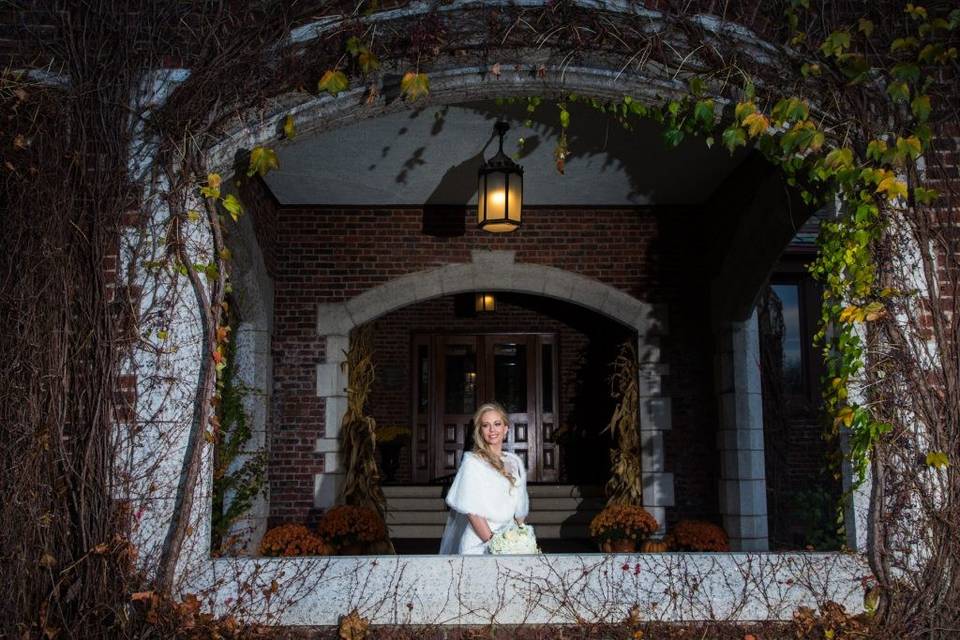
255	372
743	486
332	387
655	415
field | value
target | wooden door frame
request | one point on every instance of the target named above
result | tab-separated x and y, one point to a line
483	344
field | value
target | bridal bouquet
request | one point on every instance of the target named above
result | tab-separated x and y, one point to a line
515	539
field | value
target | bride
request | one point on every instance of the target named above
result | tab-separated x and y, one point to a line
489	491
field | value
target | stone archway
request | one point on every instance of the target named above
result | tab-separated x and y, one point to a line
497	271
431	581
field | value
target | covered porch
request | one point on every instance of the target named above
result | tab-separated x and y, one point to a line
669	249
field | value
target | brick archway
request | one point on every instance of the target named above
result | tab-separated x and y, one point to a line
497	271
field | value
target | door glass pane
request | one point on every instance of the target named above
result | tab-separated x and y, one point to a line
547	372
461	379
423	379
510	376
791	347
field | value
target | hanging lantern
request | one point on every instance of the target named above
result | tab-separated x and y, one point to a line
500	190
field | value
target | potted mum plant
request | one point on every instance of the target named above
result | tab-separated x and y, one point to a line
293	540
620	528
698	535
351	530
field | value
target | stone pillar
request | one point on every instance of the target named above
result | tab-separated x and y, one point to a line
743	486
332	387
655	419
255	372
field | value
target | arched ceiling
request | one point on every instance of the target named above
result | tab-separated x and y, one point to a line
430	156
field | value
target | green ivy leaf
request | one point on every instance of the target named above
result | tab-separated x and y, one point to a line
840	159
876	149
354	45
854	66
564	117
810	69
193	215
925	196
904	43
916	12
898	91
790	110
835	43
865	26
673	137
703	112
908	148
930	52
414	85
744	109
333	82
938	460
368	61
921	108
734	137
233	206
906	72
696	86
262	160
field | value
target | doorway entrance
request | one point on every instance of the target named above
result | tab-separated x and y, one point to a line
456	373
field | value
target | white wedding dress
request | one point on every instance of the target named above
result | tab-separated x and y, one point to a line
481	490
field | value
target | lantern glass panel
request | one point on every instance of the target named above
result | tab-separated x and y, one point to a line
496	196
515	197
481	198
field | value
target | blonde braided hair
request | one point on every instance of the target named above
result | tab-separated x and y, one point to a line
480	446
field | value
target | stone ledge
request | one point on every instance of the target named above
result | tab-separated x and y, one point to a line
545	589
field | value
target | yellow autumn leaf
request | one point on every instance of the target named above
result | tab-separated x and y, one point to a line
262	160
756	123
938	460
892	187
289	128
414	85
845	416
233	206
333	82
849	314
212	190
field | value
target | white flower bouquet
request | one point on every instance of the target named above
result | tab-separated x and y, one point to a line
514	540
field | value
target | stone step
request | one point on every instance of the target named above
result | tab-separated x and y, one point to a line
535	518
536	504
435	531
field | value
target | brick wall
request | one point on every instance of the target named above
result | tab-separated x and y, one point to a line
332	255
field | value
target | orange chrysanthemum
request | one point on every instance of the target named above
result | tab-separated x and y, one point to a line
293	540
345	524
622	522
697	535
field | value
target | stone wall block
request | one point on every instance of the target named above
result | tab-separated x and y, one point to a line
331	380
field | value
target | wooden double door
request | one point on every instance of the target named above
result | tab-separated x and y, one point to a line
455	374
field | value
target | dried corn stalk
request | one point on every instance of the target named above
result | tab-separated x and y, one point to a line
361	486
625	485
